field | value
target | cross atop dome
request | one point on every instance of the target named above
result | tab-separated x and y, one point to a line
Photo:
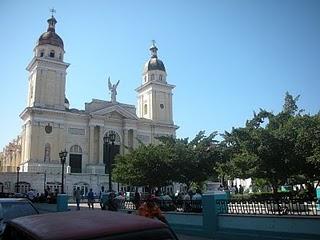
52	10
153	49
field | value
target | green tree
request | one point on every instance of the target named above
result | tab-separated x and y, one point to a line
172	160
265	147
148	165
193	161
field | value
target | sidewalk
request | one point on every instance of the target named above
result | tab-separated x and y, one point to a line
47	208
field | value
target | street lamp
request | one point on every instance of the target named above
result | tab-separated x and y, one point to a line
44	181
63	156
109	149
18	170
106	151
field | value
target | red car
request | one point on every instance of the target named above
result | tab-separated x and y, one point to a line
95	225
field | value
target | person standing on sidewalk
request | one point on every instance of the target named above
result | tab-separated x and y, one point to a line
78	197
90	199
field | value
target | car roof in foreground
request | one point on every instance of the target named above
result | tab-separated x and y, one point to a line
80	224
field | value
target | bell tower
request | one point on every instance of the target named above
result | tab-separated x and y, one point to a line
47	71
155	94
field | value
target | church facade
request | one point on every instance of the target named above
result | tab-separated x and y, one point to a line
50	125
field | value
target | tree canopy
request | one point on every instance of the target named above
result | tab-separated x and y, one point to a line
172	160
275	149
281	148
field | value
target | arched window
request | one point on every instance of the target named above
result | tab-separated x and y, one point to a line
41	53
152	77
76	149
51	54
160	77
145	109
60	56
117	139
47	151
145	78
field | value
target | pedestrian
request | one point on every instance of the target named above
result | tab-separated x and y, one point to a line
187	202
100	197
151	210
78	197
236	191
240	189
90	199
136	199
112	202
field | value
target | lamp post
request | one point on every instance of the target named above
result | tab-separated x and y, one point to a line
18	170
109	149
106	152
63	156
44	181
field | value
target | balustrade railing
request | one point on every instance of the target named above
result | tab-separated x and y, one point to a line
306	207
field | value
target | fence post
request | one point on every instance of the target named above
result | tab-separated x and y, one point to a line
318	198
210	212
62	202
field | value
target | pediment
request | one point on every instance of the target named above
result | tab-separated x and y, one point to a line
115	111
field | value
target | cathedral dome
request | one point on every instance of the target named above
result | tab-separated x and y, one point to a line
50	37
154	63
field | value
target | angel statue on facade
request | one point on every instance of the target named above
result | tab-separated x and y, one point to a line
113	90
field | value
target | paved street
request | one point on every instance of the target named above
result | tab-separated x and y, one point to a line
46	208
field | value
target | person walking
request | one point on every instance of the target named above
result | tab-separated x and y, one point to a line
90	199
136	199
78	197
101	198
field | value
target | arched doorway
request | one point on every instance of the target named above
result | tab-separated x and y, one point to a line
75	159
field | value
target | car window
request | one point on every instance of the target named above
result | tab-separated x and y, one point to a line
17	209
153	234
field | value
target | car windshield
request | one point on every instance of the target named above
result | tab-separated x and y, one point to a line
17	209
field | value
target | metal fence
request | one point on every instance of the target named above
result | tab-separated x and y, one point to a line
305	207
165	205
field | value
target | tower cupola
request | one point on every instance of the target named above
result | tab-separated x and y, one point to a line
154	69
50	36
155	94
47	70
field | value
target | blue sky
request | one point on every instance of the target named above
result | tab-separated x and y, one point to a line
226	58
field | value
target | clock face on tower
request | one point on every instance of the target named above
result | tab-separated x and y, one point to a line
48	129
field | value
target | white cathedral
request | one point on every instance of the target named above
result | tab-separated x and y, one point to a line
50	126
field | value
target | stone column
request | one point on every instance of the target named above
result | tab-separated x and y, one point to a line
101	145
125	141
91	146
135	141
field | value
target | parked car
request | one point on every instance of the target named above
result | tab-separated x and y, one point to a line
14	207
75	225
